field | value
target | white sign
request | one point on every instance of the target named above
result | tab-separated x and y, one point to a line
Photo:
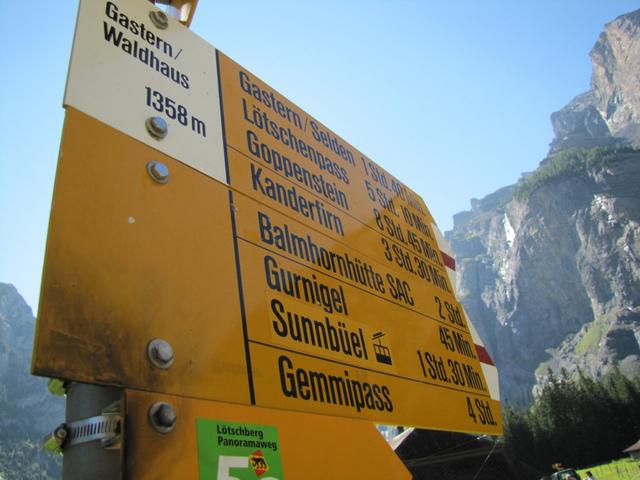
124	70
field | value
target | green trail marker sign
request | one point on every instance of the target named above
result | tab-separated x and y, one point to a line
238	451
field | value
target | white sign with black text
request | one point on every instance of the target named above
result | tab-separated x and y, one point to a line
125	70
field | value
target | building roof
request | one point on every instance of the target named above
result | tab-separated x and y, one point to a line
633	448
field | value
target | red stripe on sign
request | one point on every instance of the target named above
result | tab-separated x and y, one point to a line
448	261
483	355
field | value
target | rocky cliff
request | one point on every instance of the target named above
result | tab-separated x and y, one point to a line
27	410
549	268
610	112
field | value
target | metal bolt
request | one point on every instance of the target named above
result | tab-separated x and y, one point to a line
54	441
160	353
162	417
158	171
157	127
60	433
159	19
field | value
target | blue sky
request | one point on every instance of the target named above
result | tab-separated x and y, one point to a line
452	97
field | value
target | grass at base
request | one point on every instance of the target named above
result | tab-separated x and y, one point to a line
625	469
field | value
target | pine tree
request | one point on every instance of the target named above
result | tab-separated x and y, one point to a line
575	421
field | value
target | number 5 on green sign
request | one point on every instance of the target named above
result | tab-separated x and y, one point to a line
237	451
226	463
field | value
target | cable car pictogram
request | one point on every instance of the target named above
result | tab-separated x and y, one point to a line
383	354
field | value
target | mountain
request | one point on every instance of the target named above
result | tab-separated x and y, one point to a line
549	268
27	410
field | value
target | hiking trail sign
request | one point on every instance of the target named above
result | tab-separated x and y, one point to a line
277	265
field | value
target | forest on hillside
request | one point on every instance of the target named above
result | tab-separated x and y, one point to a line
576	421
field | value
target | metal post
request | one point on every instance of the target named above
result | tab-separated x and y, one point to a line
90	459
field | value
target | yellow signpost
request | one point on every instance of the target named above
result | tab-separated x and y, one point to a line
129	260
313	447
211	242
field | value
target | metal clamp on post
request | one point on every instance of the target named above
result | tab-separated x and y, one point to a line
105	427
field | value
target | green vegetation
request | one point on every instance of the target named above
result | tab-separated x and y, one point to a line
587	344
591	340
625	469
25	459
568	163
575	421
540	369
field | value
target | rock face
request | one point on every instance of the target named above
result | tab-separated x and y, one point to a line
610	111
579	124
549	268
616	81
27	410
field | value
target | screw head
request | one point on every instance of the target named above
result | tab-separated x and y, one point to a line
158	171
163	417
160	353
157	127
60	433
159	19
